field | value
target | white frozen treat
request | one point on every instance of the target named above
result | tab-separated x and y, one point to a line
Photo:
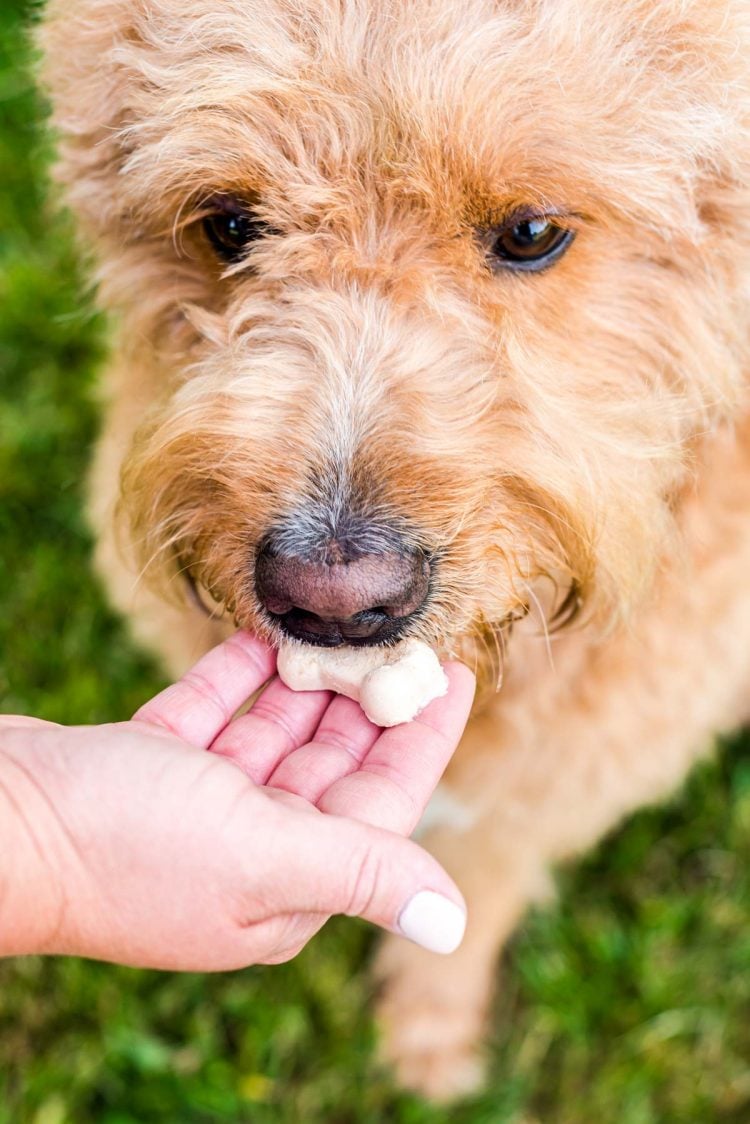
392	685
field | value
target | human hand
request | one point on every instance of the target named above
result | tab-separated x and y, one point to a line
131	843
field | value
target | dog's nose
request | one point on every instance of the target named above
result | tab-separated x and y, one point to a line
357	600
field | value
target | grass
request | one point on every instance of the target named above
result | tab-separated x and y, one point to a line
628	1001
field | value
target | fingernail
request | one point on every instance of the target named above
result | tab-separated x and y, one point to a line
432	921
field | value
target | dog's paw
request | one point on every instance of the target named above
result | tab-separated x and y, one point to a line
431	1051
429	1029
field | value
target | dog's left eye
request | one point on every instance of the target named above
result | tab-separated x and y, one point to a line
526	243
231	232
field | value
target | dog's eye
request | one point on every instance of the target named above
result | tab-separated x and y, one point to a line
531	243
231	232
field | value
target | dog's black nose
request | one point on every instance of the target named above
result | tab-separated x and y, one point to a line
342	598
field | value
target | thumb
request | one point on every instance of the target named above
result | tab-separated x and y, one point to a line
349	867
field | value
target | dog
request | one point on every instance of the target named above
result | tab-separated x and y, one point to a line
456	291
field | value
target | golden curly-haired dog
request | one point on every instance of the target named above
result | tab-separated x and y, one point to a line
433	321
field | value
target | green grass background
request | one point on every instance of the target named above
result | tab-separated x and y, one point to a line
626	1002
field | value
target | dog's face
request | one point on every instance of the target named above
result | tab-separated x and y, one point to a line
440	293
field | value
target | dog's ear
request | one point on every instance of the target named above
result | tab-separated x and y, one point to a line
83	71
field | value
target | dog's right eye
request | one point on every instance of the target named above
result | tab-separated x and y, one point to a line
232	231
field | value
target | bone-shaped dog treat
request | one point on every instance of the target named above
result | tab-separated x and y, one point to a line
391	685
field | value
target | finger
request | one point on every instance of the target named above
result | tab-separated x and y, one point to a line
284	937
278	722
340	744
198	706
341	866
401	771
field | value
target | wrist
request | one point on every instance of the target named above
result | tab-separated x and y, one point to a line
35	897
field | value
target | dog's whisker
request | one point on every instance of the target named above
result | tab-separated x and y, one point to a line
543	623
500	631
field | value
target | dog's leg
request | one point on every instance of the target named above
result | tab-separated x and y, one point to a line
177	632
539	799
432	1010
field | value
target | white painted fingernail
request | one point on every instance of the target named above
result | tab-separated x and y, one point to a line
433	921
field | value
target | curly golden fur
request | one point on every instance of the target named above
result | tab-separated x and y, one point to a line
572	443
